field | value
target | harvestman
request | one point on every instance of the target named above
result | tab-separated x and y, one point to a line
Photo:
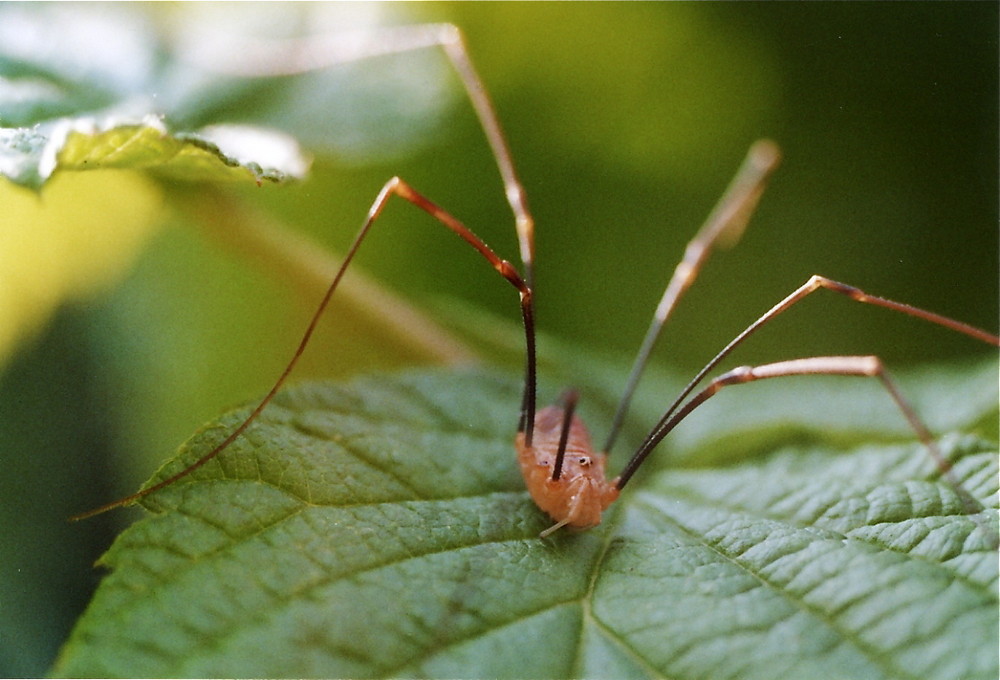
562	471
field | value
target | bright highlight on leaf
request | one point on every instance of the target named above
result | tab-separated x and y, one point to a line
381	529
72	107
31	157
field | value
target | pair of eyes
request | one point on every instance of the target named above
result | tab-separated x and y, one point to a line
582	460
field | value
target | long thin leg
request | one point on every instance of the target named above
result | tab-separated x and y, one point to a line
723	227
286	57
863	366
814	283
394	187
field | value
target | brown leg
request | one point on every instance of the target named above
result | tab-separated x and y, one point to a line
394	187
815	283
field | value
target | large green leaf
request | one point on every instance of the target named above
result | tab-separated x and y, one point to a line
381	529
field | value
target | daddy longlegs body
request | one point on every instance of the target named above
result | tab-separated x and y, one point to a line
563	472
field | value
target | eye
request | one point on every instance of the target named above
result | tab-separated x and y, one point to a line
584	460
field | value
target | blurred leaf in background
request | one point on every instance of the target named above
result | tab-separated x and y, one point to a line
887	115
68	109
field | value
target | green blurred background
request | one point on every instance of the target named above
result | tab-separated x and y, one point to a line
626	121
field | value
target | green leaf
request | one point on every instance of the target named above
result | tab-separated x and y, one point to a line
222	152
381	529
66	106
